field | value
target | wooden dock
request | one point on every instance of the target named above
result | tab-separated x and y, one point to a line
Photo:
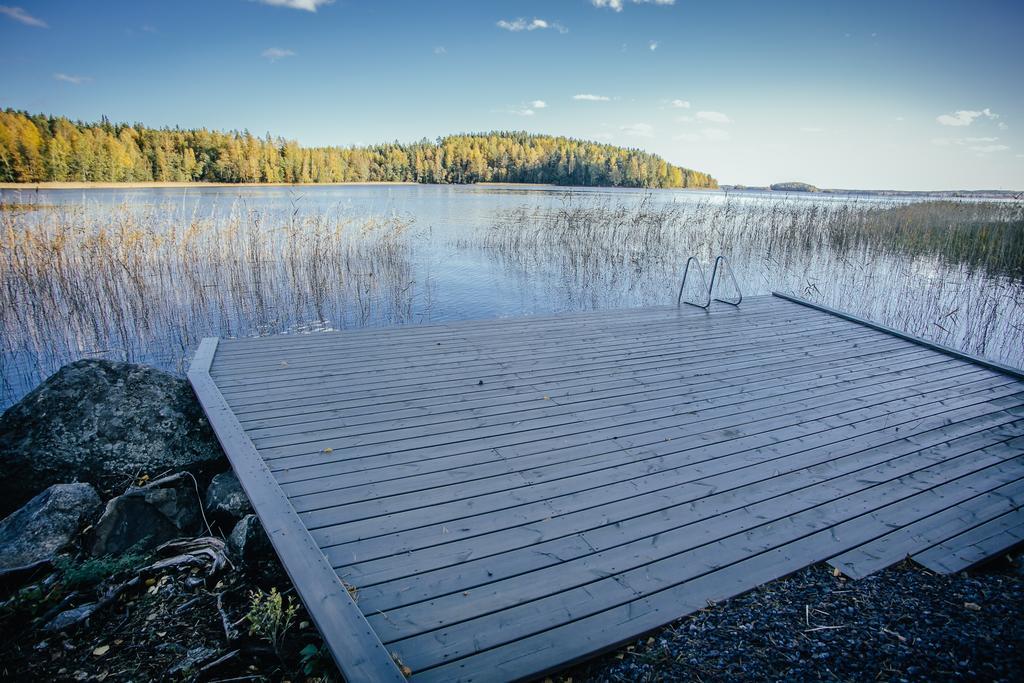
494	500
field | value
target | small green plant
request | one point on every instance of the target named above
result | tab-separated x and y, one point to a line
270	617
28	603
92	571
315	662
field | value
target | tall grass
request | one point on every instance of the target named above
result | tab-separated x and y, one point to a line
146	283
145	287
948	271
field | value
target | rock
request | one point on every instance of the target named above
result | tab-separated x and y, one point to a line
34	535
249	541
193	659
146	516
225	499
71	617
104	423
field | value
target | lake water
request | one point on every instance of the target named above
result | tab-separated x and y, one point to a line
143	274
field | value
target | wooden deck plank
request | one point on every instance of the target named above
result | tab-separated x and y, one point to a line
512	345
588	634
692	400
438	407
356	649
321	347
976	544
368	564
609	589
469	438
698	418
511	495
484	363
753	359
362	378
918	537
658	429
640	398
457	518
368	336
737	496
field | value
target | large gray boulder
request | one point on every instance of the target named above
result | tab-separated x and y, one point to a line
104	423
225	499
146	516
48	523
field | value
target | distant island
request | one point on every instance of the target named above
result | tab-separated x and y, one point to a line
40	148
937	194
793	187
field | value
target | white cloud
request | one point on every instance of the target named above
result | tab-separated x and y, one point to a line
653	45
965	117
812	129
985	149
981	145
20	15
608	136
616	5
713	117
523	112
307	5
74	80
521	24
679	104
440	50
587	97
276	53
641	130
539	104
705	135
1002	125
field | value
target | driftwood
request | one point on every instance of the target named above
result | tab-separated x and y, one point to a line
206	551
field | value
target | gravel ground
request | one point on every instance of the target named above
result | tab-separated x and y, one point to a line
901	624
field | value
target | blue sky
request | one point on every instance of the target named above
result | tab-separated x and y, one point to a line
911	94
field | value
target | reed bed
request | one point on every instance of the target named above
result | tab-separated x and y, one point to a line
952	272
145	283
147	286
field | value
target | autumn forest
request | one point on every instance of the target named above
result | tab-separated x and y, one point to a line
39	148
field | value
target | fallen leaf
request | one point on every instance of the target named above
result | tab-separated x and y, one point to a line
101	650
973	606
546	397
328	450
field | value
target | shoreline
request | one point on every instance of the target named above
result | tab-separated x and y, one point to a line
175	184
30	187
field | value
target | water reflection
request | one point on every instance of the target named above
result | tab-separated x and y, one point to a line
142	275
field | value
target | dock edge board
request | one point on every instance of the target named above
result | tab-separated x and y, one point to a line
356	649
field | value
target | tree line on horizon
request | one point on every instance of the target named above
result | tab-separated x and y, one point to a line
40	148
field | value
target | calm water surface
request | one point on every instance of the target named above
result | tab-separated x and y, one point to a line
464	253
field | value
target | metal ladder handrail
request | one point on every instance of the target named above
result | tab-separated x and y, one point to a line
721	260
721	264
704	280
